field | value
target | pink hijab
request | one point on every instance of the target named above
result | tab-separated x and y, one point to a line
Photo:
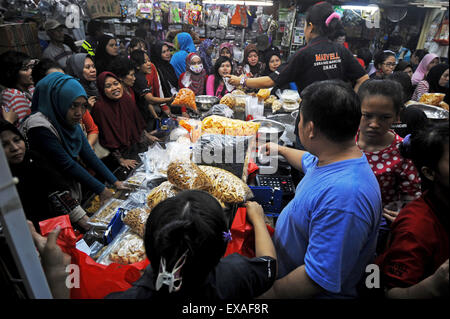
421	71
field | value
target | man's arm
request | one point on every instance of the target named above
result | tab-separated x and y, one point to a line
264	82
296	285
292	155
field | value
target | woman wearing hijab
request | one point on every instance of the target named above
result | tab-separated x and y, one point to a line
53	129
226	49
425	65
161	56
122	128
107	50
404	66
195	76
81	66
184	45
251	66
205	50
273	63
43	191
434	82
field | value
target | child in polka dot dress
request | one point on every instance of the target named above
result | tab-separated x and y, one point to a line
381	101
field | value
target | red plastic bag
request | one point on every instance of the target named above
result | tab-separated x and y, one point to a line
96	281
243	235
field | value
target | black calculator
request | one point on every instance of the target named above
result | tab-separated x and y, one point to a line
281	182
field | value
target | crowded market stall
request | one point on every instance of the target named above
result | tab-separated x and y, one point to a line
197	127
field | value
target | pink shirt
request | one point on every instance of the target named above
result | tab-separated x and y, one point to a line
210	87
397	176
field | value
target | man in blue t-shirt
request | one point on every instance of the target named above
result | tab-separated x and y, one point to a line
327	234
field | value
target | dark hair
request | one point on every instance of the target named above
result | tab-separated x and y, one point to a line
426	148
338	33
402	65
192	221
380	57
217	77
135	41
365	55
405	81
12	62
433	77
318	14
40	69
395	39
420	53
387	88
341	104
121	67
138	58
412	119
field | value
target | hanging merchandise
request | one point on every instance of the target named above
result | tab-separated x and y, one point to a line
164	7
239	18
123	11
442	34
193	14
174	14
223	20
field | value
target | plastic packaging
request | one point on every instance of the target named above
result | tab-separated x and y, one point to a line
126	248
263	94
160	193
186	97
135	180
178	132
187	175
221	110
227	152
105	214
178	151
221	125
228	100
226	187
136	220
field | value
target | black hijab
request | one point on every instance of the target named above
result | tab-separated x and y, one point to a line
166	71
102	58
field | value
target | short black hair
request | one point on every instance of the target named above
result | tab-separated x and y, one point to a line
12	62
333	107
192	221
420	53
426	148
387	88
138	58
395	39
121	67
40	70
405	81
382	56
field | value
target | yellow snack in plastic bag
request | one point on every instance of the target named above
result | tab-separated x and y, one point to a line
186	97
263	94
215	124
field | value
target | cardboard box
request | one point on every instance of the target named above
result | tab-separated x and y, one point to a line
21	37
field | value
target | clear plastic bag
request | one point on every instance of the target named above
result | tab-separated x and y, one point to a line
226	187
187	175
178	151
105	214
186	97
223	151
221	110
221	125
155	161
160	193
136	220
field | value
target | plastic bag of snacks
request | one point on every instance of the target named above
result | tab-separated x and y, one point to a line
228	100
226	187
187	175
136	220
160	193
186	97
221	125
432	98
263	94
127	248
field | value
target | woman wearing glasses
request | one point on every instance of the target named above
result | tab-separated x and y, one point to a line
385	63
16	77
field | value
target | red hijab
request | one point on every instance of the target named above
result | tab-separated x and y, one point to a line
119	121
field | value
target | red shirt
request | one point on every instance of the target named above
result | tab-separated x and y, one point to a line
418	245
18	101
397	176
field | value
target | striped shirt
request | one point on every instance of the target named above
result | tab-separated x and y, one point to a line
18	101
422	88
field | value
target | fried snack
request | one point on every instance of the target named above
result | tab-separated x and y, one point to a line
270	100
226	187
160	193
221	125
237	92
96	204
130	250
432	98
229	100
136	219
443	105
186	97
263	94
107	213
187	175
276	106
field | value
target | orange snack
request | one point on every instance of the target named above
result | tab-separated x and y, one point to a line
186	97
221	125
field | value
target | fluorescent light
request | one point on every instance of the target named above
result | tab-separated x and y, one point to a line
362	8
245	3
